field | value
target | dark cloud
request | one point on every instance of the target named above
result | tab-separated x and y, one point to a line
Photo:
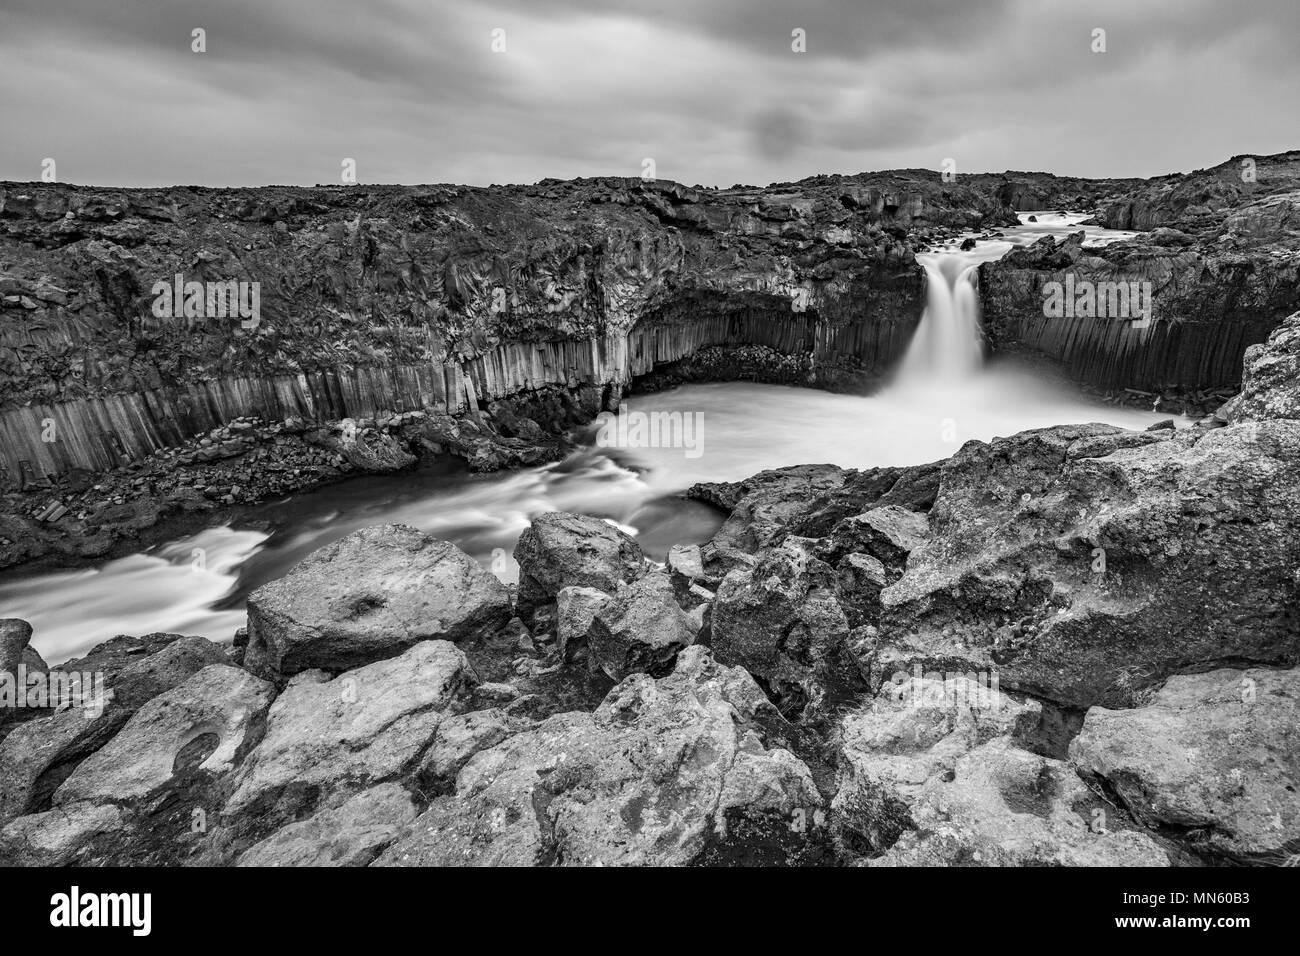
710	89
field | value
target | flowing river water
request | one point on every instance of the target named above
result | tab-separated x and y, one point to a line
942	395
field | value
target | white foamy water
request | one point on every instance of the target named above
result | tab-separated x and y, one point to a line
941	397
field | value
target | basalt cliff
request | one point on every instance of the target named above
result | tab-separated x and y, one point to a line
399	322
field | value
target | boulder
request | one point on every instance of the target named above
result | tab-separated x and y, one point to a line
1270	385
1086	562
367	597
912	734
639	629
337	736
457	739
15	635
782	622
655	772
40	754
889	534
1214	756
1002	806
205	724
562	550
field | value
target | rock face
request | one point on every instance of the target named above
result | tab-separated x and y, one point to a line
369	596
325	737
564	550
1214	755
645	779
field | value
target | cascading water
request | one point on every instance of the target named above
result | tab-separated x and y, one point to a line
948	343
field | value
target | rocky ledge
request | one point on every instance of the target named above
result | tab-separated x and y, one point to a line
1073	646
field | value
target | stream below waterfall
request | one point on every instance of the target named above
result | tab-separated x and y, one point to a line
942	395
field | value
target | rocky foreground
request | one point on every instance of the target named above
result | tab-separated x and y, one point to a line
1073	646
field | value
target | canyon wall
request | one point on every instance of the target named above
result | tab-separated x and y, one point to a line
393	298
1221	262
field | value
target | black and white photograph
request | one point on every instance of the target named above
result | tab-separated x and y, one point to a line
848	435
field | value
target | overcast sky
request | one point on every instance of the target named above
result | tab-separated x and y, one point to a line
711	90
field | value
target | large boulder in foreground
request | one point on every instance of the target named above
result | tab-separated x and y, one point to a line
1087	562
1003	806
367	597
37	756
1215	756
329	737
659	769
564	550
207	722
910	735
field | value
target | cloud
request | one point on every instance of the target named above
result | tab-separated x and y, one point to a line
711	91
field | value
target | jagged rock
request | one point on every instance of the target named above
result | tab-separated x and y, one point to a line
369	596
645	779
1002	806
205	723
364	727
39	755
782	622
352	834
639	629
567	550
1086	562
1213	755
575	607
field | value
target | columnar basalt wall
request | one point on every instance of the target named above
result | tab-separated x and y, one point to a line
397	298
1207	307
102	433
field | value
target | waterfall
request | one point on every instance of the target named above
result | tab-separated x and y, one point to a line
948	343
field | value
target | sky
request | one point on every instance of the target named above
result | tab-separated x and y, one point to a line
712	92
